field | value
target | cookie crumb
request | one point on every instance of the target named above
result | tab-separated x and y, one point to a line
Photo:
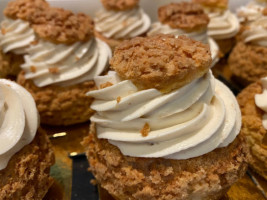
118	99
35	42
105	85
53	70
264	12
3	31
33	69
145	130
93	181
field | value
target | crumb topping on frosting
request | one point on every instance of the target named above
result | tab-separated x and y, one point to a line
213	3
53	24
119	5
183	15
162	61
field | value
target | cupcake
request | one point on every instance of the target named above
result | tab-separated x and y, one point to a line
185	19
25	151
252	101
247	61
60	66
120	20
223	26
16	35
164	128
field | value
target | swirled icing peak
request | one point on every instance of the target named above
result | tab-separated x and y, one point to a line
19	120
185	123
15	36
261	101
48	63
122	24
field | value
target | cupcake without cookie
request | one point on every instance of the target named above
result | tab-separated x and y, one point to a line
16	35
247	61
160	128
185	19
252	101
25	151
223	26
120	20
60	67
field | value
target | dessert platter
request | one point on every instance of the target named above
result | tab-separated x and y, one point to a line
128	99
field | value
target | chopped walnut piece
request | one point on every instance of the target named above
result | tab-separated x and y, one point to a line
33	69
105	85
118	99
53	70
145	130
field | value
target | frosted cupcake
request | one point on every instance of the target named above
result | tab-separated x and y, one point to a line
252	101
164	128
247	61
185	19
60	67
16	35
120	20
25	151
223	26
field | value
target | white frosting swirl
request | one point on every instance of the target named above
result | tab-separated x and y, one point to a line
261	101
201	36
122	24
75	63
16	36
223	25
185	123
19	120
257	32
251	12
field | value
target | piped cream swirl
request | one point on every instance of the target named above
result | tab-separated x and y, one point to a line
251	12
261	101
185	123
48	63
223	25
122	24
257	32
18	120
201	36
15	36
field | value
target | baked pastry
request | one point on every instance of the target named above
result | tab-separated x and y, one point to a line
60	66
15	37
252	101
120	20
188	19
25	151
223	26
247	61
154	138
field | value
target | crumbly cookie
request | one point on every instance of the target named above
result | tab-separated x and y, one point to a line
10	64
206	177
223	4
252	127
53	24
185	15
27	174
248	62
61	105
119	5
162	61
